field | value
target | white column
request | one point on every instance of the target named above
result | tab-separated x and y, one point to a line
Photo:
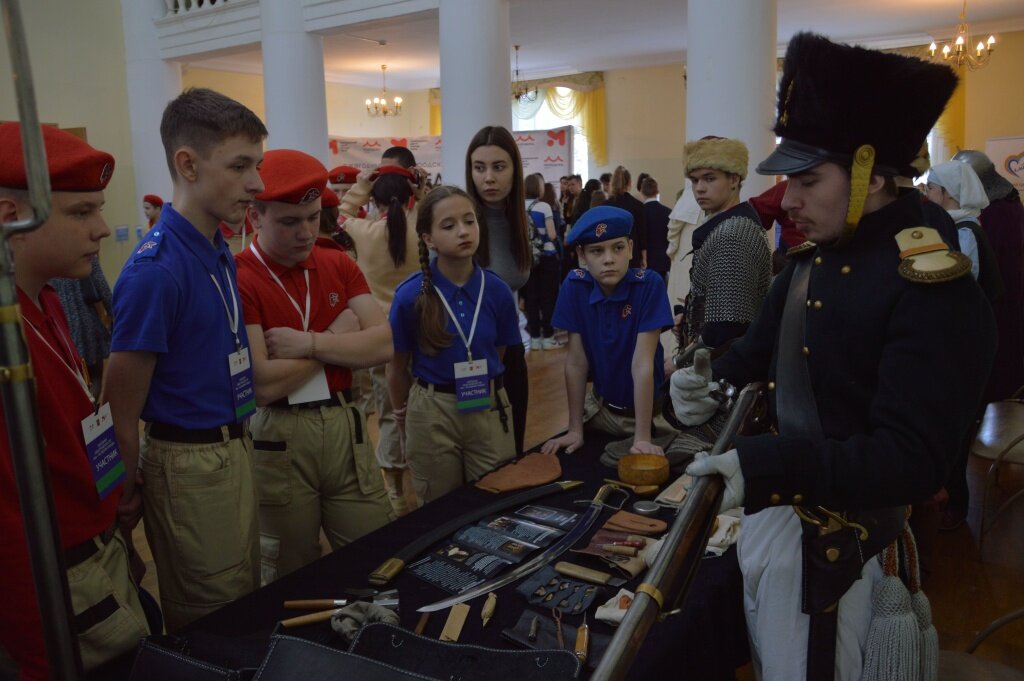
730	90
293	80
475	77
152	82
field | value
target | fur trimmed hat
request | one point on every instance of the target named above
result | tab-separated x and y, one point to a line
719	153
835	98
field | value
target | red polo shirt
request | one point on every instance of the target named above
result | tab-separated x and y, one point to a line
62	404
333	279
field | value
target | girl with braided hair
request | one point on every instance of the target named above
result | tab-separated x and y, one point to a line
452	321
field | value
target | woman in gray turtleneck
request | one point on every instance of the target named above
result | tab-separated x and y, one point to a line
494	178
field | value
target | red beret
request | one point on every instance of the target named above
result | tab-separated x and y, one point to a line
396	170
153	200
291	176
344	175
74	165
329	199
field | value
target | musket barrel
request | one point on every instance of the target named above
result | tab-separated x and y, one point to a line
670	576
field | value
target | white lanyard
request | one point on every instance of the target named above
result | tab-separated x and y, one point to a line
476	314
303	317
76	371
232	318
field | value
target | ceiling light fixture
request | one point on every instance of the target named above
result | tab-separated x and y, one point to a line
957	52
379	106
519	89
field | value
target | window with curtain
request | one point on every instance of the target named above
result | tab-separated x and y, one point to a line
538	115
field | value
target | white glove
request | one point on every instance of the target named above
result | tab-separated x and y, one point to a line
691	401
728	466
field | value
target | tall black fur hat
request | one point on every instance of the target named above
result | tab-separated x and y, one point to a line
834	98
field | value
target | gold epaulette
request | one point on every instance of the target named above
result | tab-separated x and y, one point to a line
805	247
926	259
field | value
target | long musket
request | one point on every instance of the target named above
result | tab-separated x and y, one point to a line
17	389
670	576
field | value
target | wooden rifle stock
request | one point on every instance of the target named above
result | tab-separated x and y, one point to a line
670	576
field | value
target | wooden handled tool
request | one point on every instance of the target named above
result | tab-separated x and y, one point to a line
582	641
587	574
309	619
316	604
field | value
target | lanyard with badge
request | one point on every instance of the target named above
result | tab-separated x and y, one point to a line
97	428
316	387
242	390
472	386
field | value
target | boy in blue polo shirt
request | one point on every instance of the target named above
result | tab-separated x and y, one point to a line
180	361
614	316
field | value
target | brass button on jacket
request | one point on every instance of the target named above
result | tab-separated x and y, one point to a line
774	499
798	499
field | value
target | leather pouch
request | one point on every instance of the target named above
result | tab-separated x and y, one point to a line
530	471
832	562
624	521
422	657
547	638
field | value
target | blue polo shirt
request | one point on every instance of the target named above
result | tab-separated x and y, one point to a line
165	302
498	324
608	327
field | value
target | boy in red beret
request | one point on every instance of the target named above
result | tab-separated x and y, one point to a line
180	361
151	205
108	615
342	180
311	320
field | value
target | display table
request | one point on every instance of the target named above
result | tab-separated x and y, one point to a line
706	641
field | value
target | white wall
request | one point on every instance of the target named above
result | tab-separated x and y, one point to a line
646	120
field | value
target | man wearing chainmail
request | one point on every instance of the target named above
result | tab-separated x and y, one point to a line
731	268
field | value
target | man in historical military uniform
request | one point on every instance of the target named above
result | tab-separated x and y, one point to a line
731	262
869	383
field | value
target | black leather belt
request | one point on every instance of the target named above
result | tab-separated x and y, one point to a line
87	549
332	401
449	388
194	436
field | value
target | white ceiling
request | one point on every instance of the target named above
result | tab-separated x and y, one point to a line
569	36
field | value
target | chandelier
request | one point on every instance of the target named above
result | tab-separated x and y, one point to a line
958	53
519	89
379	106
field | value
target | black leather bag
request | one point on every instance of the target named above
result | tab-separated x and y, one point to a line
167	658
434	659
296	659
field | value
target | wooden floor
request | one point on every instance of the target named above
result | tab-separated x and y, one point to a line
966	592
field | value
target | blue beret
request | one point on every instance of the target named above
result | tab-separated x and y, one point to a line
600	224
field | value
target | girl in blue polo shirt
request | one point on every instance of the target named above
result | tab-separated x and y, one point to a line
453	321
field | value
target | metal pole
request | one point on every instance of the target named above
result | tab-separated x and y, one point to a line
677	561
17	388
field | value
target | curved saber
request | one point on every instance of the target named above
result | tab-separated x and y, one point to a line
549	554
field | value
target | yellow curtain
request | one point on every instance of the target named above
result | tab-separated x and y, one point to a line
590	107
593	123
434	104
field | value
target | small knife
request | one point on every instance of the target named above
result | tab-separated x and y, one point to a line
587	575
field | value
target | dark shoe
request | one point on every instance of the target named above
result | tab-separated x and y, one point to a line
952	519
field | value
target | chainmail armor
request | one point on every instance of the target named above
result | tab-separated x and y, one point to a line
730	276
